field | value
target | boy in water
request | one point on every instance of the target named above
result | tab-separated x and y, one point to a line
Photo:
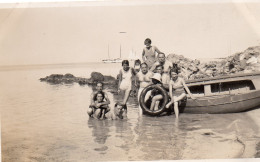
120	111
94	105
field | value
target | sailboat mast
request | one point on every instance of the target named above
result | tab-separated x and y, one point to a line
108	51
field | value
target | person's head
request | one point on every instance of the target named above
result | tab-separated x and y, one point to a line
99	86
159	69
156	78
99	97
174	73
125	64
137	62
147	42
144	68
161	57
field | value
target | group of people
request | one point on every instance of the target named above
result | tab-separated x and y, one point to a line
152	70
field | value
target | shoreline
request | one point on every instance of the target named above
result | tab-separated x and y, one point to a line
255	116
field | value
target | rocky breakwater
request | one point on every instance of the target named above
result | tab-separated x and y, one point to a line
247	61
69	78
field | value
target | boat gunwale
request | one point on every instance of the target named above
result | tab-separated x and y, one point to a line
220	79
255	97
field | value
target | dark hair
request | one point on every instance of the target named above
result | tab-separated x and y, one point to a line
174	70
125	62
159	66
148	40
95	96
137	61
175	66
123	106
144	63
160	54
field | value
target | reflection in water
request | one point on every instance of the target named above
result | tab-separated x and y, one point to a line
51	124
100	130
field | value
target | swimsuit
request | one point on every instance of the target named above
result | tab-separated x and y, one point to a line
126	82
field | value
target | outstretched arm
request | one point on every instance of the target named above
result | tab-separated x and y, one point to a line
157	50
170	90
120	80
187	89
143	57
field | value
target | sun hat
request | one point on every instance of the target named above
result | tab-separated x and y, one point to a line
157	77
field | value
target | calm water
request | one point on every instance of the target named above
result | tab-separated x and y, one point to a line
43	122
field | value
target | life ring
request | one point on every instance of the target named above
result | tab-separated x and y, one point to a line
145	105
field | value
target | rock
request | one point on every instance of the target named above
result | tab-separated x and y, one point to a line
97	77
241	62
69	79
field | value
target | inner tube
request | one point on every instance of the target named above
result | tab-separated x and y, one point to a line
145	105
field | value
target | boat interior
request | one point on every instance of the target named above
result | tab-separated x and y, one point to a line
222	88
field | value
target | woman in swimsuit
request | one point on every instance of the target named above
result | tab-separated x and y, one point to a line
125	80
176	89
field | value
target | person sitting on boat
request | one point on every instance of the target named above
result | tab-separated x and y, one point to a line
155	95
167	65
149	53
93	104
125	80
100	108
176	90
144	79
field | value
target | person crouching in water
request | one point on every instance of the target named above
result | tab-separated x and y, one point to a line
125	81
100	108
94	105
176	89
144	80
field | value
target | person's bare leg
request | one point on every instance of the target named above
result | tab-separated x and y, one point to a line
169	104
97	114
176	110
155	98
176	99
127	94
90	111
156	106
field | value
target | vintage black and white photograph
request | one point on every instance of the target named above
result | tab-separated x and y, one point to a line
130	80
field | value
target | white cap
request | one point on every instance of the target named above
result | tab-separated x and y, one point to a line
157	76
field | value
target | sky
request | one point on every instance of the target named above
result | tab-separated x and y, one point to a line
76	32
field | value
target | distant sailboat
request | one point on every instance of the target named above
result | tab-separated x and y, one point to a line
118	60
132	56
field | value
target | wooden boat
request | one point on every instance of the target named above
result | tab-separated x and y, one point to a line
225	94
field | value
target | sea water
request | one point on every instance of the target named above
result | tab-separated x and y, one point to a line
46	122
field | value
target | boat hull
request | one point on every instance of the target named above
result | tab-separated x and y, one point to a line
232	103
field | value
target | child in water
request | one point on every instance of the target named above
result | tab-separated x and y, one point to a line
176	89
120	111
93	104
125	80
100	107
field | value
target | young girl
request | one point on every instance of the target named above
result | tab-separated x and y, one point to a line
149	53
125	80
176	89
101	108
